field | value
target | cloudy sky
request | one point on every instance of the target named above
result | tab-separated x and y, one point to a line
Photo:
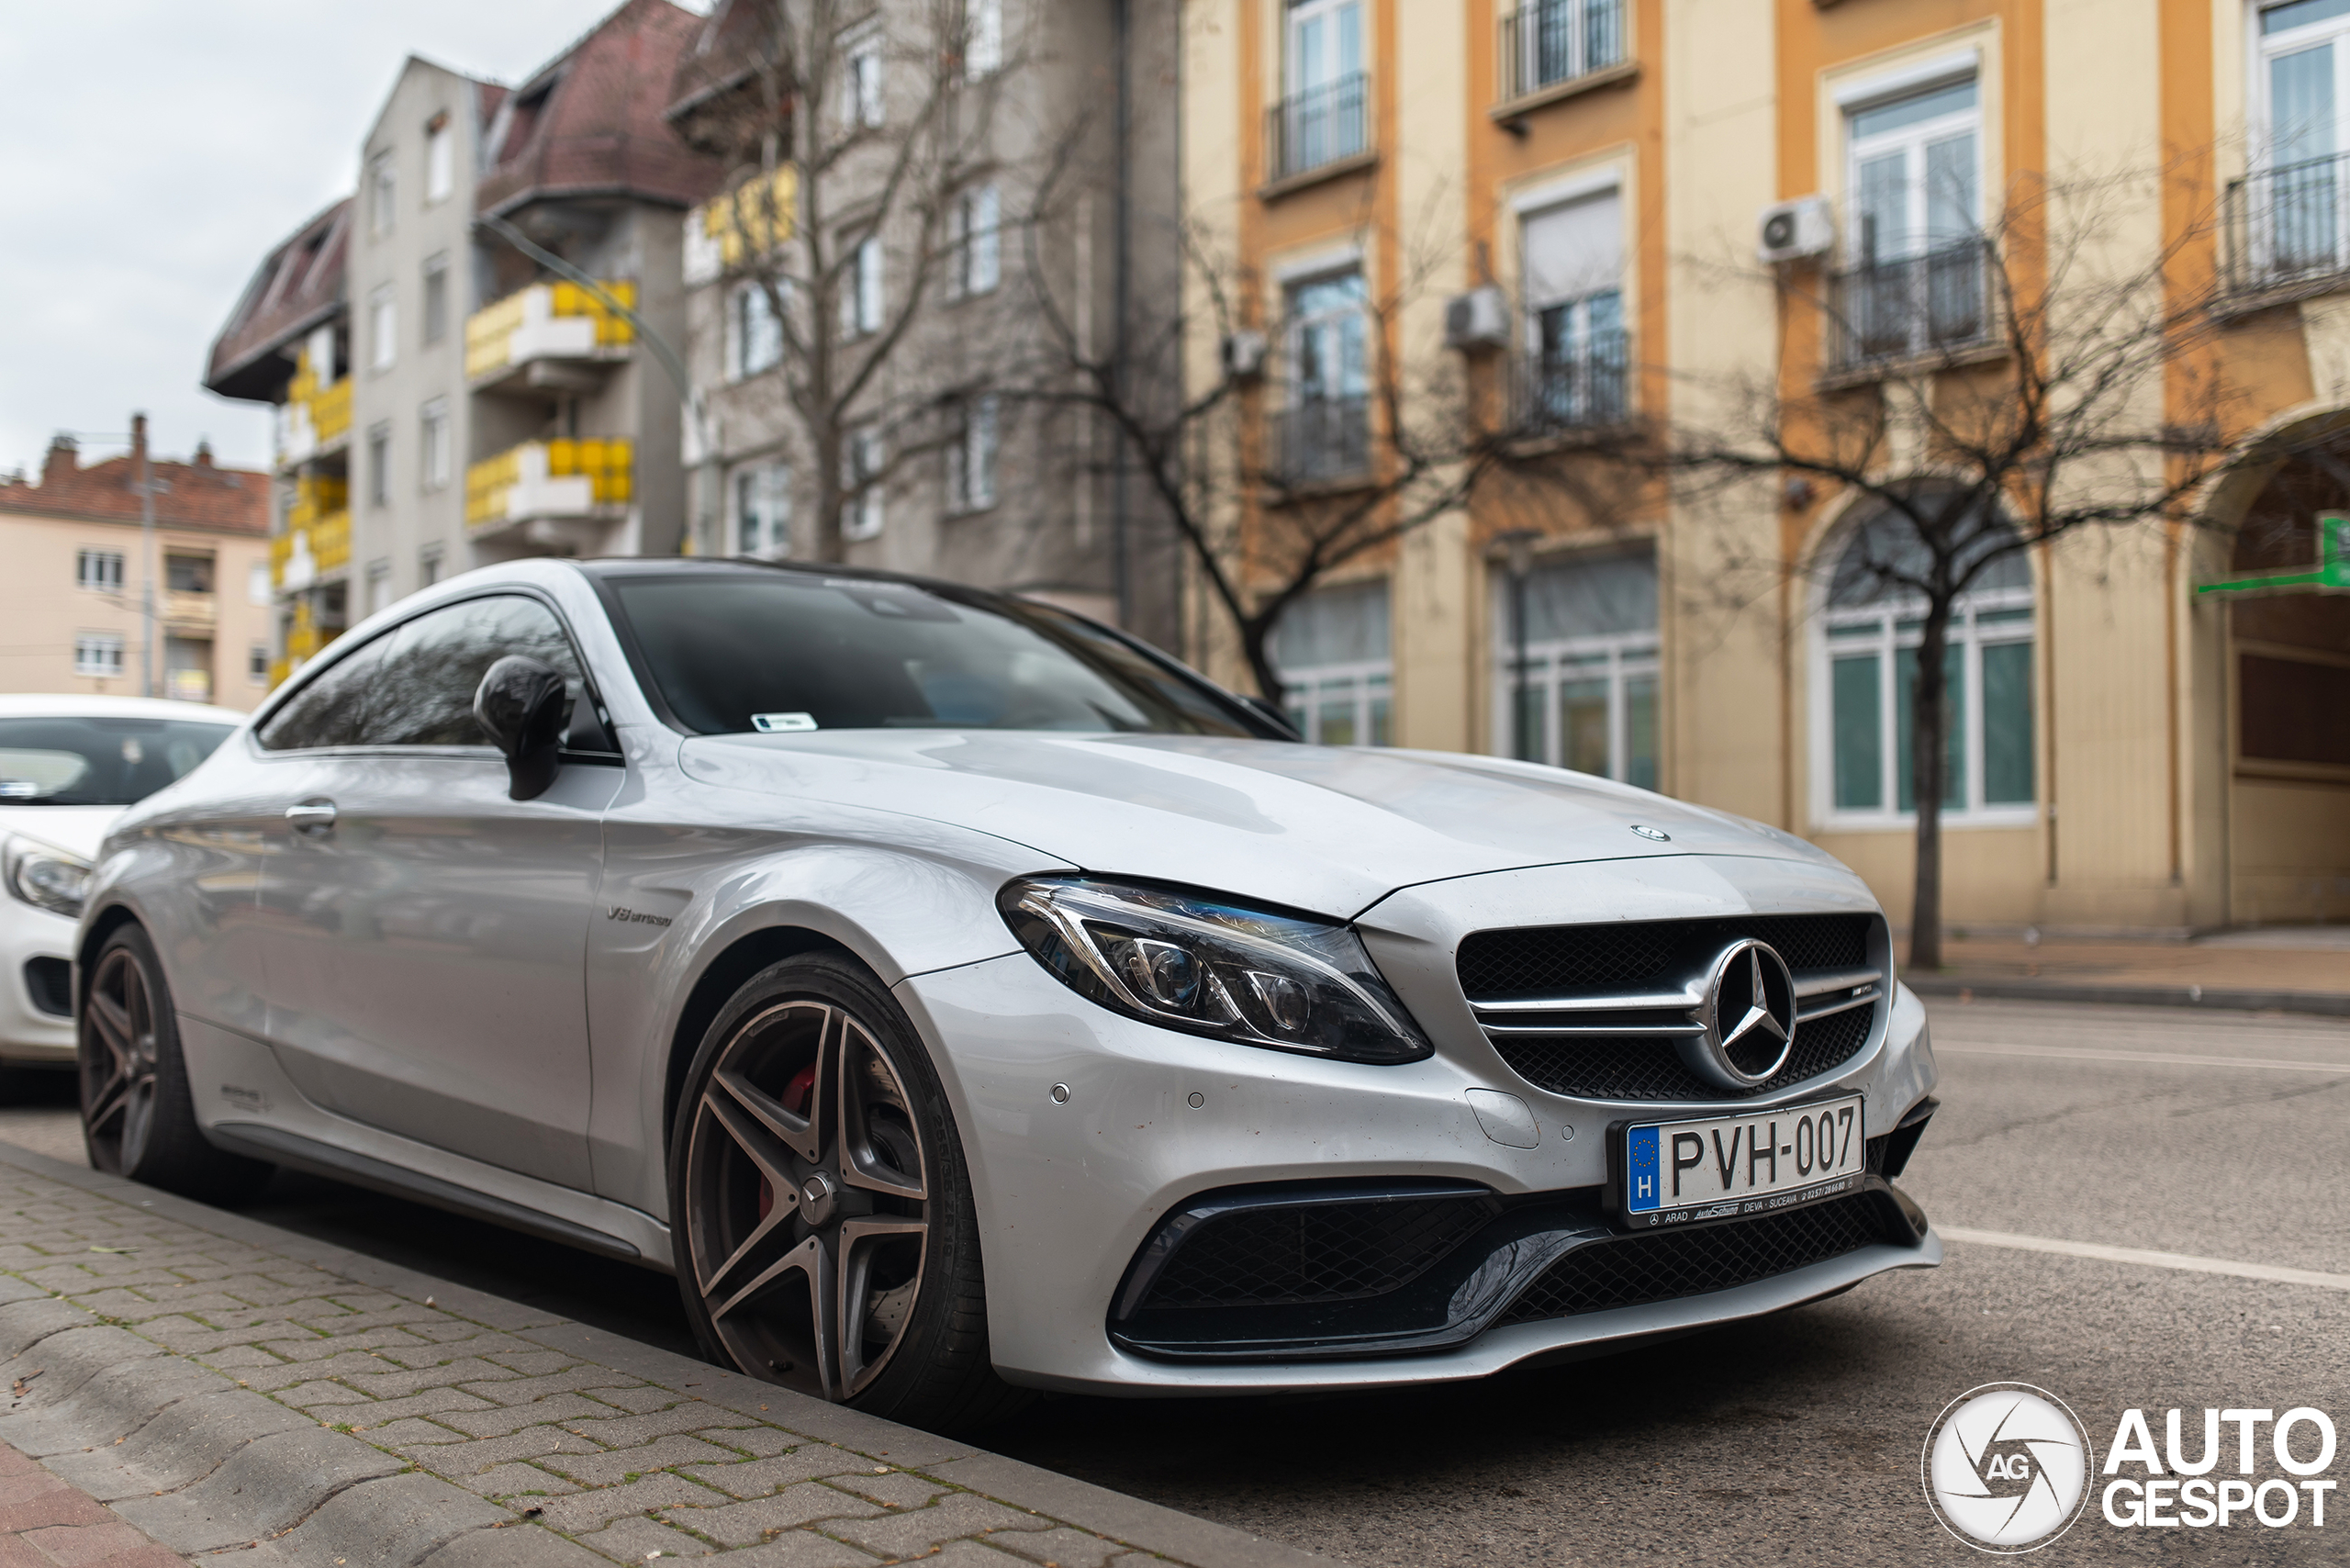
153	151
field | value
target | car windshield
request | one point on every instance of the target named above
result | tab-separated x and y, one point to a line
782	651
72	760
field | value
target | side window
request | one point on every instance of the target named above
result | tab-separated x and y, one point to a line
331	709
425	694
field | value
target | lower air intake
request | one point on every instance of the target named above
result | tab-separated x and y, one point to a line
1323	1252
1669	1265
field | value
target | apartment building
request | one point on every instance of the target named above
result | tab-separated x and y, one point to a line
84	569
444	398
1589	214
931	193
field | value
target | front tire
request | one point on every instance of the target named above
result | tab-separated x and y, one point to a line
821	1211
138	1117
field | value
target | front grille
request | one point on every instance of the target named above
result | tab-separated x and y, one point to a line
1567	960
1620	1066
1669	1265
1319	1252
50	982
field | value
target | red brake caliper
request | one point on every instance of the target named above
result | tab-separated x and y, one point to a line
795	1100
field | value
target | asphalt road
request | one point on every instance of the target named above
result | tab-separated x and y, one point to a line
1794	1439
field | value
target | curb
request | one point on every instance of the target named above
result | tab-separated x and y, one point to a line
2320	1004
224	1385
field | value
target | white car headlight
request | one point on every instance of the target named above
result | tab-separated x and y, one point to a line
1192	962
45	878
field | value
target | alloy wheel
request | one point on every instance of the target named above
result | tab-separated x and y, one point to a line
118	1078
808	1199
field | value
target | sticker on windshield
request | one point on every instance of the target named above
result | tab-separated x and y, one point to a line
782	723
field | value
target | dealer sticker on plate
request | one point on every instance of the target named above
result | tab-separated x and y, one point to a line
1721	1167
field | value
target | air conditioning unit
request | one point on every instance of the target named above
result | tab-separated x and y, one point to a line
1794	230
1477	320
1244	355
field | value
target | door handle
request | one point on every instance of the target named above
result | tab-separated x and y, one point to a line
312	817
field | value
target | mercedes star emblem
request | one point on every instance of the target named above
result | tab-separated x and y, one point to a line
1748	1021
1656	833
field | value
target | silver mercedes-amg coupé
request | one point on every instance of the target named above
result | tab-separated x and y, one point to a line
961	997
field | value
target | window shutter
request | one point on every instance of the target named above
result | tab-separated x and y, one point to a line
1574	249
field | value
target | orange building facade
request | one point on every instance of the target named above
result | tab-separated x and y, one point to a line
1578	216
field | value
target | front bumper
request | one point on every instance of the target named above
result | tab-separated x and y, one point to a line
36	977
1071	1188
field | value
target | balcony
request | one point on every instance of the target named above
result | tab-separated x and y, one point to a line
1551	47
550	336
1322	441
2288	228
1322	131
310	551
750	220
1584	385
1935	305
314	421
561	492
184	611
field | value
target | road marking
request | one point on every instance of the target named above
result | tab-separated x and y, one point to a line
2170	1059
2151	1260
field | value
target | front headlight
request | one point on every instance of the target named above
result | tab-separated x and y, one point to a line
1194	963
45	878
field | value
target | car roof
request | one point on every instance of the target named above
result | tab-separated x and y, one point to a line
52	705
714	566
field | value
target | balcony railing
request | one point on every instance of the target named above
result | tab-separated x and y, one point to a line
308	549
315	419
2289	225
1319	441
1319	127
1552	41
547	321
1586	384
560	480
1936	302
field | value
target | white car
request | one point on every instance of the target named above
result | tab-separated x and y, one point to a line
959	996
68	766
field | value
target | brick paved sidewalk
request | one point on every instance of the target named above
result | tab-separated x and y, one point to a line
2287	972
221	1385
44	1523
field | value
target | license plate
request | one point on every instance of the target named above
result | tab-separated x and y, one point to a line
1723	1167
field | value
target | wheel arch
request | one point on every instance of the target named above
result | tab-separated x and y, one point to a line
721	976
101	925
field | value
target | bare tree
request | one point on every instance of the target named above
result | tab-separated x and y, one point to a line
1307	454
853	129
1977	401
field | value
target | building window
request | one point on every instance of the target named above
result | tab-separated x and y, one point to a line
1326	430
970	459
1574	343
379	466
379	587
975	242
383	195
436	298
439	159
1322	118
98	654
427	566
187	574
257	664
861	102
98	570
1575	666
861	300
862	486
2289	210
257	585
1915	272
433	432
383	327
982	38
1547	41
1866	663
1337	676
754	333
762	497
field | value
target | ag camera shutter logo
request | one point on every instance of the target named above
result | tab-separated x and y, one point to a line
2006	1468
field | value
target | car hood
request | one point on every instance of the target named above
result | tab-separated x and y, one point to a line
79	828
1327	829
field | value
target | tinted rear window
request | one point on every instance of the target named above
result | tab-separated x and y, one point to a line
74	761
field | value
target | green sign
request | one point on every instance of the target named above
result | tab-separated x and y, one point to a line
2332	572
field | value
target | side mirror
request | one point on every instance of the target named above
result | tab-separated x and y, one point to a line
520	702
